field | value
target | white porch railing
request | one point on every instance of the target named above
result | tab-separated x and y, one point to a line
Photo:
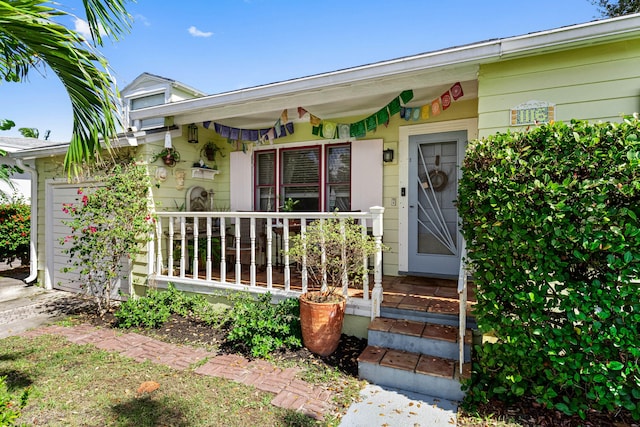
226	250
462	297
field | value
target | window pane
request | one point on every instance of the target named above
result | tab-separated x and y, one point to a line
147	101
308	197
265	162
300	166
266	199
339	197
265	192
338	185
339	164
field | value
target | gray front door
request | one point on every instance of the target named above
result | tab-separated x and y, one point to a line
434	239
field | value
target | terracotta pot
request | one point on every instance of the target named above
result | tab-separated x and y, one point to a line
321	324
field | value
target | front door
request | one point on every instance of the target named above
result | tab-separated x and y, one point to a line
434	238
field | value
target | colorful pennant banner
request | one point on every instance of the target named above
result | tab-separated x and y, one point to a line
359	129
282	127
330	130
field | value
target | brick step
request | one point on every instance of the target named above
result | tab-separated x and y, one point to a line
419	337
428	316
420	373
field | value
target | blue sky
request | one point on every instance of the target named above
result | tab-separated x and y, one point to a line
222	45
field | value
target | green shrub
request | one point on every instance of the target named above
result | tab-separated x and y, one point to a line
150	311
551	223
15	229
155	308
264	327
10	407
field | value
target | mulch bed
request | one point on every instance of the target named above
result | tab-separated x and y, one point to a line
529	413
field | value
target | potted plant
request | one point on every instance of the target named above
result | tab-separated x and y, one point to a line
169	156
289	205
333	251
210	150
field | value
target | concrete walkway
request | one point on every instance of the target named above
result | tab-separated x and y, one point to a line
29	311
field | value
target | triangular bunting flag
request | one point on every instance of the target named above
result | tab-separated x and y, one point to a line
315	121
301	112
284	117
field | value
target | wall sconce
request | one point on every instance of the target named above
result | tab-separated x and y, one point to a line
387	155
192	134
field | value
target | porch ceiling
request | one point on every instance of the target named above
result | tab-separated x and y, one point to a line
336	101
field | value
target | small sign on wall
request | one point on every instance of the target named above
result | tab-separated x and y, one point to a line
532	113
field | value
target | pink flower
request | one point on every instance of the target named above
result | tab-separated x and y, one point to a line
79	190
93	229
85	200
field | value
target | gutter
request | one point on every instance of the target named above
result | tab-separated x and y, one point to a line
33	245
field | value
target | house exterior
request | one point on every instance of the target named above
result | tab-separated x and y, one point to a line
390	134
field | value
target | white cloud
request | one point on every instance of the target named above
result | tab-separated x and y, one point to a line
198	33
142	19
82	27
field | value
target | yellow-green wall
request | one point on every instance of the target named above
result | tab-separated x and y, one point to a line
598	83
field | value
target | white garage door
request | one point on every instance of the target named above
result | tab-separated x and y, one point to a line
55	231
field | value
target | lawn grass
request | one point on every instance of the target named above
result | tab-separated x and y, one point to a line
79	385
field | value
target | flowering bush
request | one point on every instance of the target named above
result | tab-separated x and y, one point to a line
110	222
15	227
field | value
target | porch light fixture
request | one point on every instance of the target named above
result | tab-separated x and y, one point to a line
193	133
167	140
387	155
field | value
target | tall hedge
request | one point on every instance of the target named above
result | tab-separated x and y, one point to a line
550	218
15	229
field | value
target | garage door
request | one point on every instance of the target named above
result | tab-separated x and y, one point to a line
55	231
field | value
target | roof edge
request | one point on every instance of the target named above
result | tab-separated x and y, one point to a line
481	52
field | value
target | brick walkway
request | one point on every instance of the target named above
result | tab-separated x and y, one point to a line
291	393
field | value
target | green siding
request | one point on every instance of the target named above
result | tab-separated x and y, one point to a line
591	83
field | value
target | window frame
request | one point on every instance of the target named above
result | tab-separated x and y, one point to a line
323	174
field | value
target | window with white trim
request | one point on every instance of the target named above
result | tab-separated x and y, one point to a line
317	177
149	101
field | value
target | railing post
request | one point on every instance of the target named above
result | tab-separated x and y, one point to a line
462	298
377	229
208	263
223	249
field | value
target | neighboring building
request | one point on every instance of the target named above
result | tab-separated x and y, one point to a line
20	182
